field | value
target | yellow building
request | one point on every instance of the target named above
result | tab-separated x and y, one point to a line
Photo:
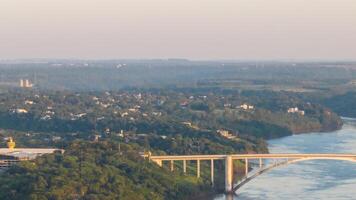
11	143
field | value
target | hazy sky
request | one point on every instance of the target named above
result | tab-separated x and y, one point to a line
197	29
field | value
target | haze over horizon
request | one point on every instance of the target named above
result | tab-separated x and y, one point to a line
200	29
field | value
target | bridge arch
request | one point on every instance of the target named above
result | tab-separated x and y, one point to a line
284	163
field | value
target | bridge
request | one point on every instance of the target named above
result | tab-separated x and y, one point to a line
263	161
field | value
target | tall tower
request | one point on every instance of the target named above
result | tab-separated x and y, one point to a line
22	83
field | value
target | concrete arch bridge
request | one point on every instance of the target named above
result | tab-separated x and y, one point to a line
265	162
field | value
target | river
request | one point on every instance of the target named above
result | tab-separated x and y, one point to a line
308	180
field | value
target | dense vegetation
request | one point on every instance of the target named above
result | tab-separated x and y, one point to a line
164	112
343	104
96	171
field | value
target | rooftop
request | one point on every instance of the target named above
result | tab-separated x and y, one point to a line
26	153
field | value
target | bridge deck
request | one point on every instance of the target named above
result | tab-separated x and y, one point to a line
254	156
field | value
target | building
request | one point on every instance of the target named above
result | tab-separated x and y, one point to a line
189	124
22	83
226	134
28	102
96	138
19	111
11	144
25	83
121	134
352	82
247	107
184	104
11	155
296	110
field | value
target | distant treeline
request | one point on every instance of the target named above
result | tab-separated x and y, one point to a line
118	74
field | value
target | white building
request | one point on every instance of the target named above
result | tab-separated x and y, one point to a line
296	110
28	102
247	107
25	83
20	111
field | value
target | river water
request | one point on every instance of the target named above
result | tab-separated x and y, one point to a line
308	180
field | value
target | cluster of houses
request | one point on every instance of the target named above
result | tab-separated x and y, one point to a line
185	103
130	106
105	102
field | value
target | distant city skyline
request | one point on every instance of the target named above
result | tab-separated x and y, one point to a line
191	29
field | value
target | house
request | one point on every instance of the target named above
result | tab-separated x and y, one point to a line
121	134
139	96
28	102
225	134
247	107
124	114
80	115
48	112
187	123
133	110
184	103
156	113
56	138
104	105
296	110
100	118
77	116
19	111
46	118
227	105
96	138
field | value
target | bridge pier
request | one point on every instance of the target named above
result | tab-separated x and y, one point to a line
198	168
158	162
261	163
246	167
184	166
212	171
172	165
228	174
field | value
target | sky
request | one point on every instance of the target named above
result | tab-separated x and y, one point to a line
193	29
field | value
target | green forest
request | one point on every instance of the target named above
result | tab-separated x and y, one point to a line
96	171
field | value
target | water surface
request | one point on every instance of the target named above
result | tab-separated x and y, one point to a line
318	179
